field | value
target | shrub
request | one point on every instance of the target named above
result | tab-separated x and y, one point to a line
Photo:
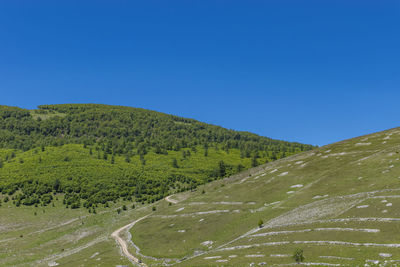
298	255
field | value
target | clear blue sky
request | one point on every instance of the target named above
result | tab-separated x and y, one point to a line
307	71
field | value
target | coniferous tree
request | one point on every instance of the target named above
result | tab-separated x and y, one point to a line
254	162
221	169
175	163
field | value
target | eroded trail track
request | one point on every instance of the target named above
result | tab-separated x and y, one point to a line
123	244
169	199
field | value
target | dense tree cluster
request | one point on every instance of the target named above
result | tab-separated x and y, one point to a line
124	130
111	132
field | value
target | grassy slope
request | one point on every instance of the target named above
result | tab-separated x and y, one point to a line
50	235
334	180
67	236
365	164
34	246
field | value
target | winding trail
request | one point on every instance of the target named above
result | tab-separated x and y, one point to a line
121	242
170	200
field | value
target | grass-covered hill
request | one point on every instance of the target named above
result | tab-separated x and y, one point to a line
339	203
91	154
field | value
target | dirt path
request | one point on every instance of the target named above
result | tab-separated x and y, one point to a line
169	199
121	242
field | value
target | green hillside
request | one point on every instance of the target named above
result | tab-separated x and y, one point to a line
91	155
338	203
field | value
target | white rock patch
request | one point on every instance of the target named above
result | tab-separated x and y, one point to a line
362	206
296	186
213	257
385	255
283	174
191	214
348	244
254	245
281	233
363	144
227	203
338	154
336	258
255	256
207	243
389	204
181	231
290	192
197	203
318	196
180	209
94	255
367	230
280	255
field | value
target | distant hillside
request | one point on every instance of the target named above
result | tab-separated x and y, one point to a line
98	153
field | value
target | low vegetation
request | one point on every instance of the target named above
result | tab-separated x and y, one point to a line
298	255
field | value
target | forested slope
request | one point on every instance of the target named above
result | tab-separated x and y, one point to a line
92	154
